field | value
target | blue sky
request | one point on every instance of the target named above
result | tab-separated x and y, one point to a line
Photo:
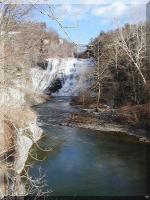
85	21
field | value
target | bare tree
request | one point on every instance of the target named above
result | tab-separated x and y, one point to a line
101	59
132	40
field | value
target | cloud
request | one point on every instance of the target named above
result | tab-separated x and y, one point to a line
104	2
125	13
116	9
71	12
107	9
56	2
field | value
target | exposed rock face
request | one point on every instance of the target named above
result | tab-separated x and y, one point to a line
19	131
24	144
71	71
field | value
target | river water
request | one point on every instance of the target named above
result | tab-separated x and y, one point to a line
86	162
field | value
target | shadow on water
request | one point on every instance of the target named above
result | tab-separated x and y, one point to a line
86	162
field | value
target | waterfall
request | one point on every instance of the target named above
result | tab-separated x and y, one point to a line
72	73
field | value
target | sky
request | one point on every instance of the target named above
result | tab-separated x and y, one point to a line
84	20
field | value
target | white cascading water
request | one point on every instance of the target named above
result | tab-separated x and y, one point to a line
72	72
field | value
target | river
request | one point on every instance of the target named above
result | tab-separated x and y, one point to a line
87	162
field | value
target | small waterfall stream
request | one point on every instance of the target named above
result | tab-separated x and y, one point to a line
72	73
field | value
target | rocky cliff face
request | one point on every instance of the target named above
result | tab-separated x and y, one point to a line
24	143
22	45
19	131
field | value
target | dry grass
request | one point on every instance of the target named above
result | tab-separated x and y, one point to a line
14	119
136	115
9	134
20	116
83	119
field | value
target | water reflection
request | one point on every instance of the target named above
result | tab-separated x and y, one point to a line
85	162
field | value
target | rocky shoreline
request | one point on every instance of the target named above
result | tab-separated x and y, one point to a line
112	129
98	121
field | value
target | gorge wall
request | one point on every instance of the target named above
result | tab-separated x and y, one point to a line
21	85
20	131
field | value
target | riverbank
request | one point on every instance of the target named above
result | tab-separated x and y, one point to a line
105	121
76	151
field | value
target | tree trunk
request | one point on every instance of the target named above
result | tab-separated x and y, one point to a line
98	96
